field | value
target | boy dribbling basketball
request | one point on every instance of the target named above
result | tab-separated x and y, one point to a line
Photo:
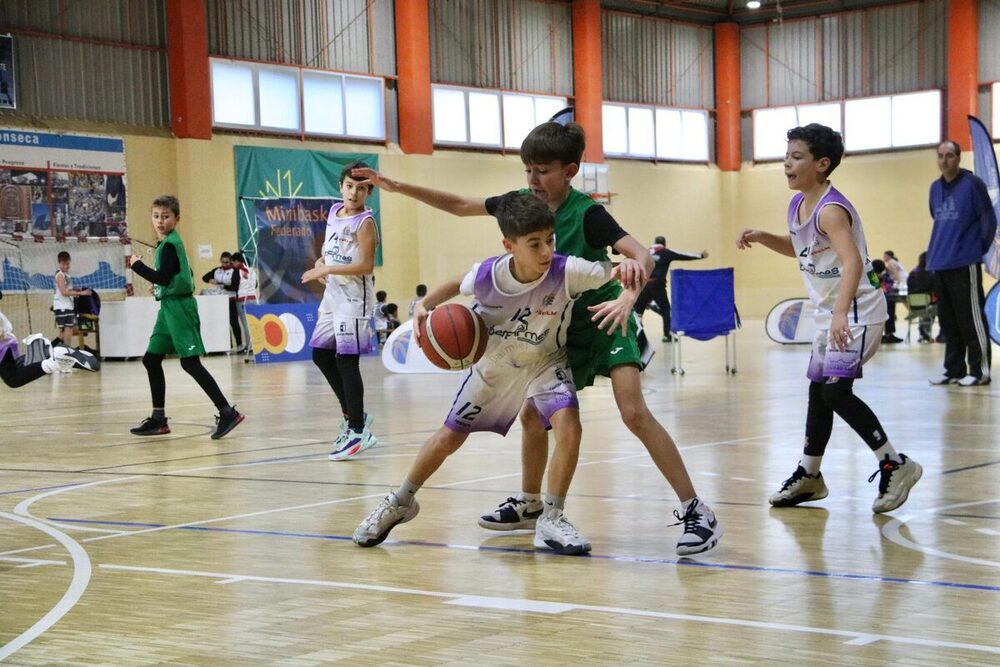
525	298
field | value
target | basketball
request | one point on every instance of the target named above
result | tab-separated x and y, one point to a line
453	337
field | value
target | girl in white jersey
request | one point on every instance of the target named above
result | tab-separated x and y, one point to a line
343	329
825	234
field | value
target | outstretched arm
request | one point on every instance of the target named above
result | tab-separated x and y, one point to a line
445	201
779	244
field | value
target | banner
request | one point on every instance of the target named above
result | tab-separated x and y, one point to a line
281	332
289	240
985	167
279	172
791	321
59	185
401	354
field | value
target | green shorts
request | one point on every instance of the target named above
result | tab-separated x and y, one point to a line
593	352
177	329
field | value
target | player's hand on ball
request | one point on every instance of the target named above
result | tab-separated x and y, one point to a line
419	315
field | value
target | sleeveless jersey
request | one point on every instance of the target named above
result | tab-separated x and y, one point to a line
526	328
181	284
60	302
340	249
821	268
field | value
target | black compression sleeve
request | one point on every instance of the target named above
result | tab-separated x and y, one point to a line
170	266
601	230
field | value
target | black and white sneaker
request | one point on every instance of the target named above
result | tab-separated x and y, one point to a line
801	487
554	531
513	514
702	529
68	359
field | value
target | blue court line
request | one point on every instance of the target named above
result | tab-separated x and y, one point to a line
535	552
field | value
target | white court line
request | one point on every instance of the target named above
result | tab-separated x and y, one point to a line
542	606
81	577
31	562
891	531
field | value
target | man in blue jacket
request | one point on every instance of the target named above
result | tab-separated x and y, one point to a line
964	227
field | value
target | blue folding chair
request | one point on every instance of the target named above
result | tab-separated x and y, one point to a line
703	306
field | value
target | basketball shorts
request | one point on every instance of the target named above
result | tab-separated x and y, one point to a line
346	335
593	352
489	399
826	362
65	318
177	329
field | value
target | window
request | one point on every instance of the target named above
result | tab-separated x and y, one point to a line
896	121
291	99
655	132
488	118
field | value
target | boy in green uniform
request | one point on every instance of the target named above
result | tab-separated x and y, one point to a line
551	154
178	328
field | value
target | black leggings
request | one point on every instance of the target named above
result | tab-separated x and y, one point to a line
343	373
193	367
825	399
15	375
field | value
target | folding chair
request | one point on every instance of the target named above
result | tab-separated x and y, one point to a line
703	306
918	307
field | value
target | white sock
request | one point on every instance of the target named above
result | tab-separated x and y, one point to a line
50	366
686	504
811	464
887	450
534	499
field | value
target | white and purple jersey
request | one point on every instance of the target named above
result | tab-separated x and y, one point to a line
525	357
821	267
8	341
347	296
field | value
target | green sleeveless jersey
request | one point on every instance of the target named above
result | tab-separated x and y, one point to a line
182	284
570	240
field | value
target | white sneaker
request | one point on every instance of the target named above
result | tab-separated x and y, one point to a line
349	444
895	482
942	379
389	514
512	514
68	359
702	529
971	381
554	531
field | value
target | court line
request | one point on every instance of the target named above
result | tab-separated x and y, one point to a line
680	562
852	638
78	584
891	530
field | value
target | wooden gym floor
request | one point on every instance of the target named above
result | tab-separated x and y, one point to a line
183	550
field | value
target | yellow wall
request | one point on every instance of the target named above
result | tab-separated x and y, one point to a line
694	206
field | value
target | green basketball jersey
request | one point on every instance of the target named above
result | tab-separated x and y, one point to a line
182	284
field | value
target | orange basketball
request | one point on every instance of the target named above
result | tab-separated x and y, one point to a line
453	337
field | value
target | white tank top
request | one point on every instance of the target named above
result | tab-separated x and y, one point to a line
60	302
348	295
821	268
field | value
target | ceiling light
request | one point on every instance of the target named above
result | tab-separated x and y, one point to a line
753	4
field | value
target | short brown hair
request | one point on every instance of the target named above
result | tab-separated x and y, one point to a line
168	201
551	142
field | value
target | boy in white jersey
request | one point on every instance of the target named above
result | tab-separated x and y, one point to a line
825	234
343	326
62	300
525	298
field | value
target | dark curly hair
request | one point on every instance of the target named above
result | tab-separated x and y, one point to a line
823	142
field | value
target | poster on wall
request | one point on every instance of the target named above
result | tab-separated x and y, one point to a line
279	172
8	89
61	185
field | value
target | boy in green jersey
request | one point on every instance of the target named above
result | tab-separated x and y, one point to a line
178	327
551	154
